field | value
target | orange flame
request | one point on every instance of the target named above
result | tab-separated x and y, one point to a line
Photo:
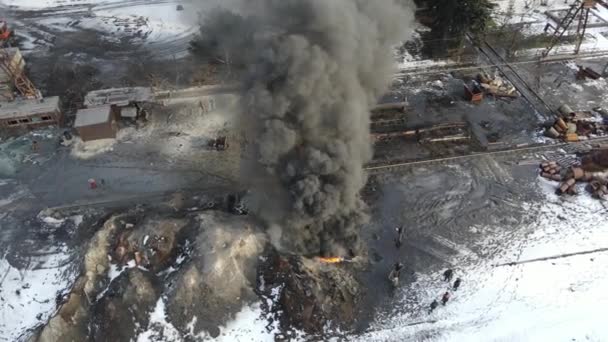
331	260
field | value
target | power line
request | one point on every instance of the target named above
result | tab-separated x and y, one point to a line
560	59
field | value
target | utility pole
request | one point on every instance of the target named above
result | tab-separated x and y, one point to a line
580	9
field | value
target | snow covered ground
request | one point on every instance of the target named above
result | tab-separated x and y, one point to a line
533	16
161	24
27	296
36	4
248	325
553	300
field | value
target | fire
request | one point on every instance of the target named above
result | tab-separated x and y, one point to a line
331	260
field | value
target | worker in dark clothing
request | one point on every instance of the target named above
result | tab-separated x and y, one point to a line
445	298
447	275
434	305
400	236
457	283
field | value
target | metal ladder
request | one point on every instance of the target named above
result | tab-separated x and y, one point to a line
22	83
581	9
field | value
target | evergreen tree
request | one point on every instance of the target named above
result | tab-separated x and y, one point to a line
452	19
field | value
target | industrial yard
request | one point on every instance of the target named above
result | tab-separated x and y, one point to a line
153	191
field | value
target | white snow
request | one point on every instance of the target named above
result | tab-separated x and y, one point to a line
37	4
156	23
37	285
51	221
158	328
114	271
248	325
90	149
58	222
19	193
554	300
77	219
534	18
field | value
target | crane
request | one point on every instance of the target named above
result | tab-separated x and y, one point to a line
6	35
580	9
22	83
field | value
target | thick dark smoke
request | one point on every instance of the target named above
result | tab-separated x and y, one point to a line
314	68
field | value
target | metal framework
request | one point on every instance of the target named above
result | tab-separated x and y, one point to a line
580	9
21	81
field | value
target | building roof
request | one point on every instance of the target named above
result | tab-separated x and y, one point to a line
93	116
117	96
128	112
22	108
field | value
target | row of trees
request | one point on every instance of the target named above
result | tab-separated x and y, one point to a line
222	32
450	20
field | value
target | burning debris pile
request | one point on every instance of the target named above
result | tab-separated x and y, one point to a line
312	293
592	171
314	68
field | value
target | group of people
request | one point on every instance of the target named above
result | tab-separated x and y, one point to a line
448	275
395	273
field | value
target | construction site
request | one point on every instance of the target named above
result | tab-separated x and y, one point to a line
190	170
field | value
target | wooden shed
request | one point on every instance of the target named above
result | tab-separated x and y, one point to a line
96	123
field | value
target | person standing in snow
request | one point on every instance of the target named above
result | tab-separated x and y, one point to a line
92	184
400	236
447	275
457	283
445	298
434	305
395	274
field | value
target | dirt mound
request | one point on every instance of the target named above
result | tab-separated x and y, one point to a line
70	323
125	307
203	265
220	276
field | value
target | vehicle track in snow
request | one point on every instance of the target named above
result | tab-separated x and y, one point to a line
62	26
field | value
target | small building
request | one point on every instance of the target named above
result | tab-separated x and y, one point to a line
30	113
96	123
119	97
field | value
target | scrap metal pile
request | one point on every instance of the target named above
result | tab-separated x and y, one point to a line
491	85
573	126
592	170
496	85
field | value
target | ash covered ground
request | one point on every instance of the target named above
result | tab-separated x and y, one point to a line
165	250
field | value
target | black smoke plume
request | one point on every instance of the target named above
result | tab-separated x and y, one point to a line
313	70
